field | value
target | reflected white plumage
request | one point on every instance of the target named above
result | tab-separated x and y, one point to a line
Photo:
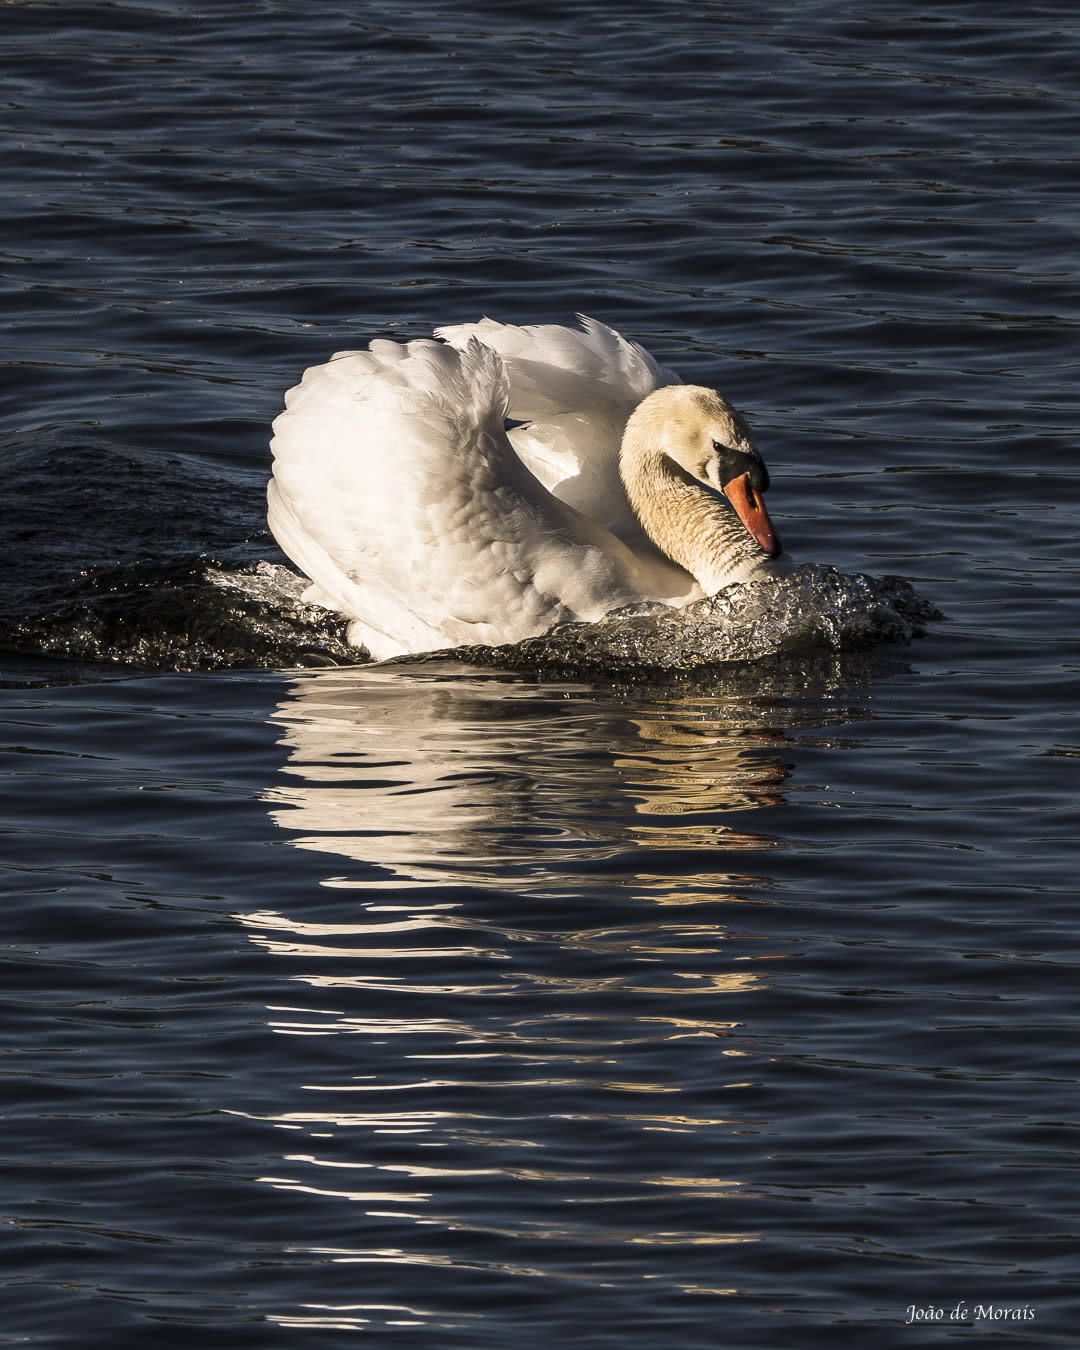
406	493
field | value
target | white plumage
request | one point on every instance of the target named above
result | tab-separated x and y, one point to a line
400	492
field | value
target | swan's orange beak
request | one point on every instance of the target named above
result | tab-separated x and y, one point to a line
752	513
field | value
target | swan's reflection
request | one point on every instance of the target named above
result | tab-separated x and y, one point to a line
429	777
520	1005
458	793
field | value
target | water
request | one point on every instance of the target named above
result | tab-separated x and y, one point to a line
442	1004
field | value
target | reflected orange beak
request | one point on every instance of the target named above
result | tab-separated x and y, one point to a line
752	513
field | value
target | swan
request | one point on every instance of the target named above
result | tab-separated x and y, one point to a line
486	484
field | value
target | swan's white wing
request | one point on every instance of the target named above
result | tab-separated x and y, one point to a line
574	388
398	493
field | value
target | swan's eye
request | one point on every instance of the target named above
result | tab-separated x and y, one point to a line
718	447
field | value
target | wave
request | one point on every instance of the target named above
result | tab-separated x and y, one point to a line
155	563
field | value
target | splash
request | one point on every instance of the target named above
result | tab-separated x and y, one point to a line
815	610
201	615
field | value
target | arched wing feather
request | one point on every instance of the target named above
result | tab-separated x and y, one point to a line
574	389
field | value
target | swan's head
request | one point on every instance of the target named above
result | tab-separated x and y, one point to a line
701	437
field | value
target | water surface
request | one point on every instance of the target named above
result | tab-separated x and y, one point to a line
447	1005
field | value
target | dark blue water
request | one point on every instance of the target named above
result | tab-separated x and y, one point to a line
437	1006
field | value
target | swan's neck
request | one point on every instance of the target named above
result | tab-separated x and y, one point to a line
694	526
689	521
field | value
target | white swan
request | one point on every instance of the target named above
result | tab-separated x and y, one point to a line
399	490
